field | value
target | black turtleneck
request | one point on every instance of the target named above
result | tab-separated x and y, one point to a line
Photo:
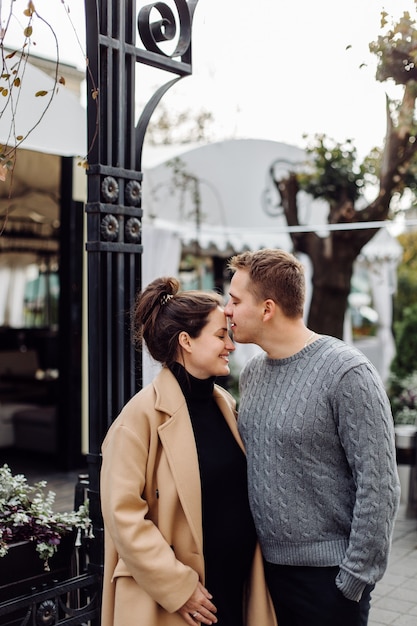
228	531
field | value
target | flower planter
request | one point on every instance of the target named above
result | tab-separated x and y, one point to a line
406	444
22	571
33	536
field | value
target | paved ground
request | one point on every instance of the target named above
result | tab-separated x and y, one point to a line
394	598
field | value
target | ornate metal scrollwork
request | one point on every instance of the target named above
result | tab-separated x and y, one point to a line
271	196
74	601
165	29
153	33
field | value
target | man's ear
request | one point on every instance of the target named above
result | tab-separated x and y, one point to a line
269	310
184	341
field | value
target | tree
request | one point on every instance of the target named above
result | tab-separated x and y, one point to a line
406	275
167	127
332	174
15	54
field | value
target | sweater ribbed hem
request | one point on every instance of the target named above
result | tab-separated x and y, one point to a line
310	554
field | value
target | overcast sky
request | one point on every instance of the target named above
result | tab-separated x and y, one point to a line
270	69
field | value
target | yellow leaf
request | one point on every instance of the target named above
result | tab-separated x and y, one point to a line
4	92
28	31
11	55
40	93
19	137
30	9
94	94
16	82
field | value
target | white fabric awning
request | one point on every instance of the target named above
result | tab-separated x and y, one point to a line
222	241
63	128
382	247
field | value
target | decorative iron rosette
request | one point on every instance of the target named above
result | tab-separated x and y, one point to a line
133	230
109	227
46	613
133	193
110	189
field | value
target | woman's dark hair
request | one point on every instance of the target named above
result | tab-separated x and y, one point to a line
161	312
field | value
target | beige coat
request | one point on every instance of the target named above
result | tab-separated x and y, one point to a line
151	503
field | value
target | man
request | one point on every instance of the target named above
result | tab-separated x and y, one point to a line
318	430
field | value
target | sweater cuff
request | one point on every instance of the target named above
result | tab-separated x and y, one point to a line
351	587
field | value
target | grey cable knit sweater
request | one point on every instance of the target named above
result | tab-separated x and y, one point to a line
323	482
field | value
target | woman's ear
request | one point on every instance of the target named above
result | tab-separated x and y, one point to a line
184	341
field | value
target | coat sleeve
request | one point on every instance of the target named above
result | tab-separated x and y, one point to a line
144	552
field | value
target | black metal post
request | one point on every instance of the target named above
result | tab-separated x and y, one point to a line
114	210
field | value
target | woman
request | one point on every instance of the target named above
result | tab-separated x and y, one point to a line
179	537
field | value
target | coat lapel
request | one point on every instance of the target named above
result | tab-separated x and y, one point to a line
177	438
223	400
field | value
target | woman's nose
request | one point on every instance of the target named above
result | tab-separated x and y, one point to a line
229	344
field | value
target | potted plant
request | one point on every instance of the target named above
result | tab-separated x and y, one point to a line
27	517
403	396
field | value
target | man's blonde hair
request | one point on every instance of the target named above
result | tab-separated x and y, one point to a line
276	275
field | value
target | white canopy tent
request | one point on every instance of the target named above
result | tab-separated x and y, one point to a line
235	188
380	257
239	210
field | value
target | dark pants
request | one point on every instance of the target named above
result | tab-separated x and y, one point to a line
308	596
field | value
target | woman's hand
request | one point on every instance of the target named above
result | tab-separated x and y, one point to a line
199	609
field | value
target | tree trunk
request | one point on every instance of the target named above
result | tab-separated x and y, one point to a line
325	315
332	259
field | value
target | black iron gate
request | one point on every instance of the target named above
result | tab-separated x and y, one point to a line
119	35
